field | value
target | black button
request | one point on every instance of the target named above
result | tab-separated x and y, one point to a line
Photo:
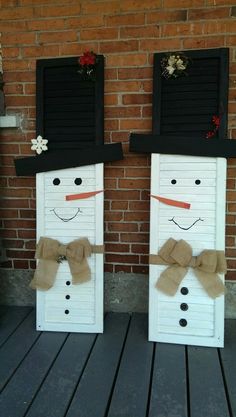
66	311
183	322
184	290
184	306
67	297
67	282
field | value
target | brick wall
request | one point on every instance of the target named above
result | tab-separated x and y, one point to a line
127	32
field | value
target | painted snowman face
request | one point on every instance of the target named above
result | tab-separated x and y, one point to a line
187	190
69	200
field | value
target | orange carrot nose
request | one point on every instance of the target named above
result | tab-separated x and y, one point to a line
170	202
81	196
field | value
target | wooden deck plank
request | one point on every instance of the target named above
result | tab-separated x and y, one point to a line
93	392
131	391
11	320
16	347
3	310
168	391
229	362
206	386
57	390
19	392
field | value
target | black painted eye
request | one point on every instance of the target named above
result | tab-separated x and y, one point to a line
197	182
56	181
78	181
173	181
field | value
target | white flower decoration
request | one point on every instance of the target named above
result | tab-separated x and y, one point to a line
39	144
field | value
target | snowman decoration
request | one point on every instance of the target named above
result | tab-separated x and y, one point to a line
187	238
69	252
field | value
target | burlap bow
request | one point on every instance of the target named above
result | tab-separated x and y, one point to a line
50	253
178	254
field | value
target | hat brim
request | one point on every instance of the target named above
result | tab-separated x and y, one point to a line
215	147
54	160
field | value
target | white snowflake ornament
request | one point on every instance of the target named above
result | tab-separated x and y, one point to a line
39	144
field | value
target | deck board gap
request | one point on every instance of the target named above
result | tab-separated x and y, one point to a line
187	382
151	378
225	384
78	382
45	376
16	328
117	369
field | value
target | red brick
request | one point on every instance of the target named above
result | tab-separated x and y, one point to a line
108	268
138	216
6	171
9	149
98	34
122	227
6	264
140	32
129	5
213	13
113	172
13	243
103	7
118	46
21	38
139	205
27	233
18	76
8	214
179	4
166	16
47	24
112	247
134	237
10	52
20	101
19	182
113	216
20	264
140	269
14	192
111	237
58	11
85	21
139	248
20	254
123	268
121	258
138	59
122	195
110	100
136	98
15	13
40	51
135	73
5	233
19	65
30	244
125	19
77	48
134	184
18	224
119	205
58	37
160	44
120	136
122	112
27	214
207	42
136	124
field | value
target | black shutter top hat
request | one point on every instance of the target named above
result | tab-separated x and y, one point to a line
70	115
214	147
184	107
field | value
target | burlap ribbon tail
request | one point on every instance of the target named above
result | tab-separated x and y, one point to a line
178	255
50	254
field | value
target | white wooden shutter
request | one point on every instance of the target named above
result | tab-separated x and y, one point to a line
204	317
68	307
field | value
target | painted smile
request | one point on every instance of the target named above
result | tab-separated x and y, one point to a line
63	218
185	228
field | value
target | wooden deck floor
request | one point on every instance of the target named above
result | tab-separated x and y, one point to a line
115	374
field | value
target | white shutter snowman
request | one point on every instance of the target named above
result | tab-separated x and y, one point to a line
69	195
187	238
